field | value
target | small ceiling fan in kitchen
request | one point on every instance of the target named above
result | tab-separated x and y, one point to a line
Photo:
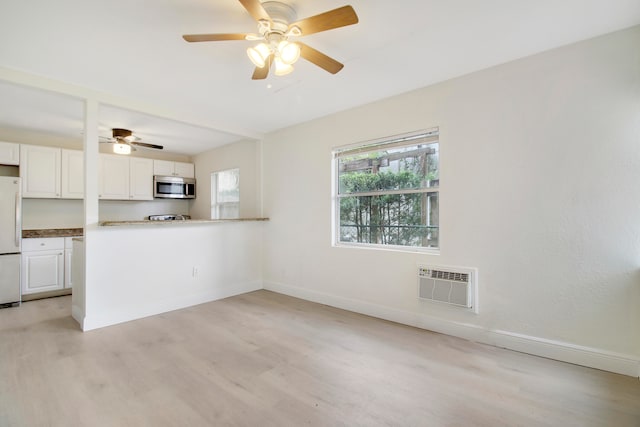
278	33
124	141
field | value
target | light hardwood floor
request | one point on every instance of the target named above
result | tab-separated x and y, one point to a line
263	359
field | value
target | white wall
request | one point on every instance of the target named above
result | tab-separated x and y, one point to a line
132	210
52	213
139	271
244	155
61	213
540	166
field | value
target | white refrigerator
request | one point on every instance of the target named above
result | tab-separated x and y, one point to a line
10	239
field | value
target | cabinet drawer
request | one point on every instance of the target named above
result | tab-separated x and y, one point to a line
42	244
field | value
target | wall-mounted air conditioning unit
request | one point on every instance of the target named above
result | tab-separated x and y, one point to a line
456	286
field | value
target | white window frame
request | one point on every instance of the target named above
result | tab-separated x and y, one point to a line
373	146
215	205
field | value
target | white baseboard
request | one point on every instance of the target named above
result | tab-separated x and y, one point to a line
78	315
557	350
112	315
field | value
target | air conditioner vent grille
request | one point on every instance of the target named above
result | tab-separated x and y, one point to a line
449	275
449	285
444	275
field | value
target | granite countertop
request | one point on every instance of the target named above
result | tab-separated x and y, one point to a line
184	221
52	232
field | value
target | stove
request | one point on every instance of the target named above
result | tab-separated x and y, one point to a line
168	217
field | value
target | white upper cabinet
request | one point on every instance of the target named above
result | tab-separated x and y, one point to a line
162	167
125	178
167	168
140	179
40	171
9	153
185	170
72	174
113	179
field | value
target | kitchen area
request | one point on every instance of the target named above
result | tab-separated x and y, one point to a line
153	246
104	227
41	194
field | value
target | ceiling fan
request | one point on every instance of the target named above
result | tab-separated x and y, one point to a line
125	141
277	24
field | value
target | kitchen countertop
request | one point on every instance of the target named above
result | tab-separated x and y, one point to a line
185	221
52	232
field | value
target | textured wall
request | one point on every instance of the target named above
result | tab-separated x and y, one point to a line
243	155
540	165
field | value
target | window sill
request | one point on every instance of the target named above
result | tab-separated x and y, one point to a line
391	248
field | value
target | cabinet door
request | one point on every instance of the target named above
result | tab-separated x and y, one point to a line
42	271
40	171
72	174
162	167
140	179
68	278
185	170
9	153
113	179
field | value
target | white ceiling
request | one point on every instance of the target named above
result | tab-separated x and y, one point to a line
133	50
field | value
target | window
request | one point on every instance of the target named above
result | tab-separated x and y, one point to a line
386	192
225	194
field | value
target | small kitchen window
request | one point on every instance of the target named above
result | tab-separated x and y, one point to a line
225	194
386	193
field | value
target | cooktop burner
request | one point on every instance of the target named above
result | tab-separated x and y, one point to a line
168	217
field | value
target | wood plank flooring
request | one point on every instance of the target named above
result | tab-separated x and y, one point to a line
263	359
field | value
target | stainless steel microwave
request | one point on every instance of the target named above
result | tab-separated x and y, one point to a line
174	187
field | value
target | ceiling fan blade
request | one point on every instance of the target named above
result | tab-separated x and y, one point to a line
262	73
144	144
213	37
320	59
255	9
335	18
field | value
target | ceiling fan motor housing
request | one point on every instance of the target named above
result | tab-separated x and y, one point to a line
281	15
121	133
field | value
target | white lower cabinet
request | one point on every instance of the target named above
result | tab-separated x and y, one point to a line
42	265
68	256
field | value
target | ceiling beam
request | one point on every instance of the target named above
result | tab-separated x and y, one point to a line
83	93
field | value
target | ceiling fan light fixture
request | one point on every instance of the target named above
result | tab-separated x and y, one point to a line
282	68
259	54
289	52
119	148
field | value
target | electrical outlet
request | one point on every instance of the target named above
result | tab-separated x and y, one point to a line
194	272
